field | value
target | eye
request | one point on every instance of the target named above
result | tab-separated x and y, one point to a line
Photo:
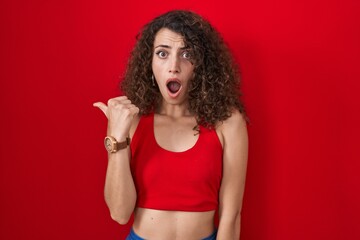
186	55
161	54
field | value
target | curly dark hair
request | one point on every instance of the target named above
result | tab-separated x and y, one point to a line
215	90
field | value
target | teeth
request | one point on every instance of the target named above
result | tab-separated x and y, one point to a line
173	86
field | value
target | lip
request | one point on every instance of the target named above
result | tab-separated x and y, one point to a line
173	95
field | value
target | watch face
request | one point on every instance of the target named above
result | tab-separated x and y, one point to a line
108	144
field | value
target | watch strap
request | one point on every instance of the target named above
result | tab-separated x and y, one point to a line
123	144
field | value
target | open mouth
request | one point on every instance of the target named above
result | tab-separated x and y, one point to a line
173	86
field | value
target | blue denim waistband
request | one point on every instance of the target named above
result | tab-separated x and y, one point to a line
134	236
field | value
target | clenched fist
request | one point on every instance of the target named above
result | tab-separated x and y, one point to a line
120	112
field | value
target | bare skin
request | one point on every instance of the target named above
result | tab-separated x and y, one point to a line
173	128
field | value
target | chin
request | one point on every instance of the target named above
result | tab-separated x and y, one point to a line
175	101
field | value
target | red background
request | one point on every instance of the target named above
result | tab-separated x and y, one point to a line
301	72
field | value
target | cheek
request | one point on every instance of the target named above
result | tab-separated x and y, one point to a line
190	72
189	78
153	64
157	66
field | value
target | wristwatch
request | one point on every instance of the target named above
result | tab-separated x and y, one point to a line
112	145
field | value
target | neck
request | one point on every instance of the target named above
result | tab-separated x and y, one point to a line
174	110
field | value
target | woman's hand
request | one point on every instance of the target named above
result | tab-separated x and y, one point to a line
120	113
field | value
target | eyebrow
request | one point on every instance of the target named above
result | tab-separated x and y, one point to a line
167	46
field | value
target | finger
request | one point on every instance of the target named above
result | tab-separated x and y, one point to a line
101	106
118	101
134	110
121	98
127	101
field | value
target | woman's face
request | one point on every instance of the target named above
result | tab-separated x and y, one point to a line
172	66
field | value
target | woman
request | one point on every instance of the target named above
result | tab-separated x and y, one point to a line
188	149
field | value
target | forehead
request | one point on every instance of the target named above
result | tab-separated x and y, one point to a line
170	38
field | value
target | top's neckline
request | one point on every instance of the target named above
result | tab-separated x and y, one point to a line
170	151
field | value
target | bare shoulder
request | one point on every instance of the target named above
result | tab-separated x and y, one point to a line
236	119
233	129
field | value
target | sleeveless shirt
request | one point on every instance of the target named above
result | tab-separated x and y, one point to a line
180	181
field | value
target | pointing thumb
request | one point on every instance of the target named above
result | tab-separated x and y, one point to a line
101	106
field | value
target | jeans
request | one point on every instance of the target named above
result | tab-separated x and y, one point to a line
134	236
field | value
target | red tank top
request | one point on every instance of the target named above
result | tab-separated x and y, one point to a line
180	181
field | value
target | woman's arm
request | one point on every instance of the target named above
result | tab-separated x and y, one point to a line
119	191
235	147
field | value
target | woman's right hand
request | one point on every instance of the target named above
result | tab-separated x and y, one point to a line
120	112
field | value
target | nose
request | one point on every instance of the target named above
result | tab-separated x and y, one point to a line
174	66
